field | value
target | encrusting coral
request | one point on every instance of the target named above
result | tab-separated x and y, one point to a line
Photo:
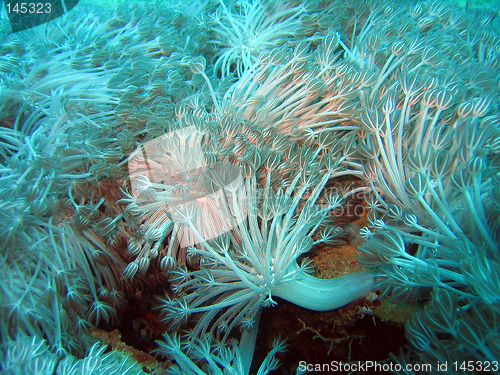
203	137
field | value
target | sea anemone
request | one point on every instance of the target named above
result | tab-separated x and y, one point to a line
257	26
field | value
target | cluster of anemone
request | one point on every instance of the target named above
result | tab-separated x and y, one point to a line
76	100
120	148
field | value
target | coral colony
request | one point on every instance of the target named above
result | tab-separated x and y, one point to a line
198	138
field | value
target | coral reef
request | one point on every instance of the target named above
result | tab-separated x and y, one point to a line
208	144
